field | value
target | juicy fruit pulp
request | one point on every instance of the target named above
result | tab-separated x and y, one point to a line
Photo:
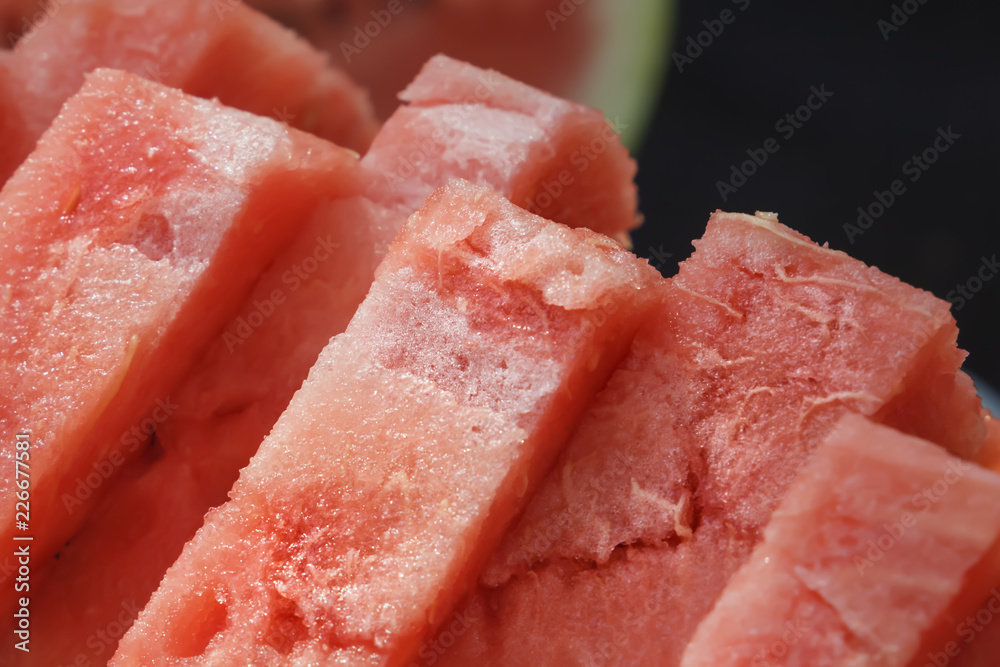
415	440
246	378
865	553
762	341
209	49
130	235
555	158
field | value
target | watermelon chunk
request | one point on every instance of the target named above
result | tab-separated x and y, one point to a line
859	561
556	158
208	48
763	341
367	511
227	405
131	235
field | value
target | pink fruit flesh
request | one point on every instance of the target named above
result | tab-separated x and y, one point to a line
867	549
387	481
229	403
762	342
557	159
207	48
130	236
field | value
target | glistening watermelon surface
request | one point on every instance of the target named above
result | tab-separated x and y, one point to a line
861	559
246	378
763	340
131	234
383	487
207	48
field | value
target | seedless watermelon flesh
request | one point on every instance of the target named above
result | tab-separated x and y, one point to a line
862	557
556	158
130	236
225	407
762	341
418	435
209	48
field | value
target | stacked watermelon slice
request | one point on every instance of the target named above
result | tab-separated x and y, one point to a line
291	405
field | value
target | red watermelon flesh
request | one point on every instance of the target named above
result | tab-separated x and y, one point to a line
381	43
227	405
130	236
558	159
205	47
763	340
866	552
419	433
223	409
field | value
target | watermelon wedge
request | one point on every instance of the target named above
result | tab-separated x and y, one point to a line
386	483
208	48
860	560
226	406
762	342
131	235
557	159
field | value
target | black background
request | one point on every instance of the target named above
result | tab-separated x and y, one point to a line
940	69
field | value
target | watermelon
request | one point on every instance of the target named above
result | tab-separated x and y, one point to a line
608	54
382	43
131	235
860	560
226	406
762	341
555	158
208	48
418	435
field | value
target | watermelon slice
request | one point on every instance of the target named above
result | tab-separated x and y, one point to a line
763	341
860	560
419	433
130	236
227	405
382	43
557	159
208	48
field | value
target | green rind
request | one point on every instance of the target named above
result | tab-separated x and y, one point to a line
630	63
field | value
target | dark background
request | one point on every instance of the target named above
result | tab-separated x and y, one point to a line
941	68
